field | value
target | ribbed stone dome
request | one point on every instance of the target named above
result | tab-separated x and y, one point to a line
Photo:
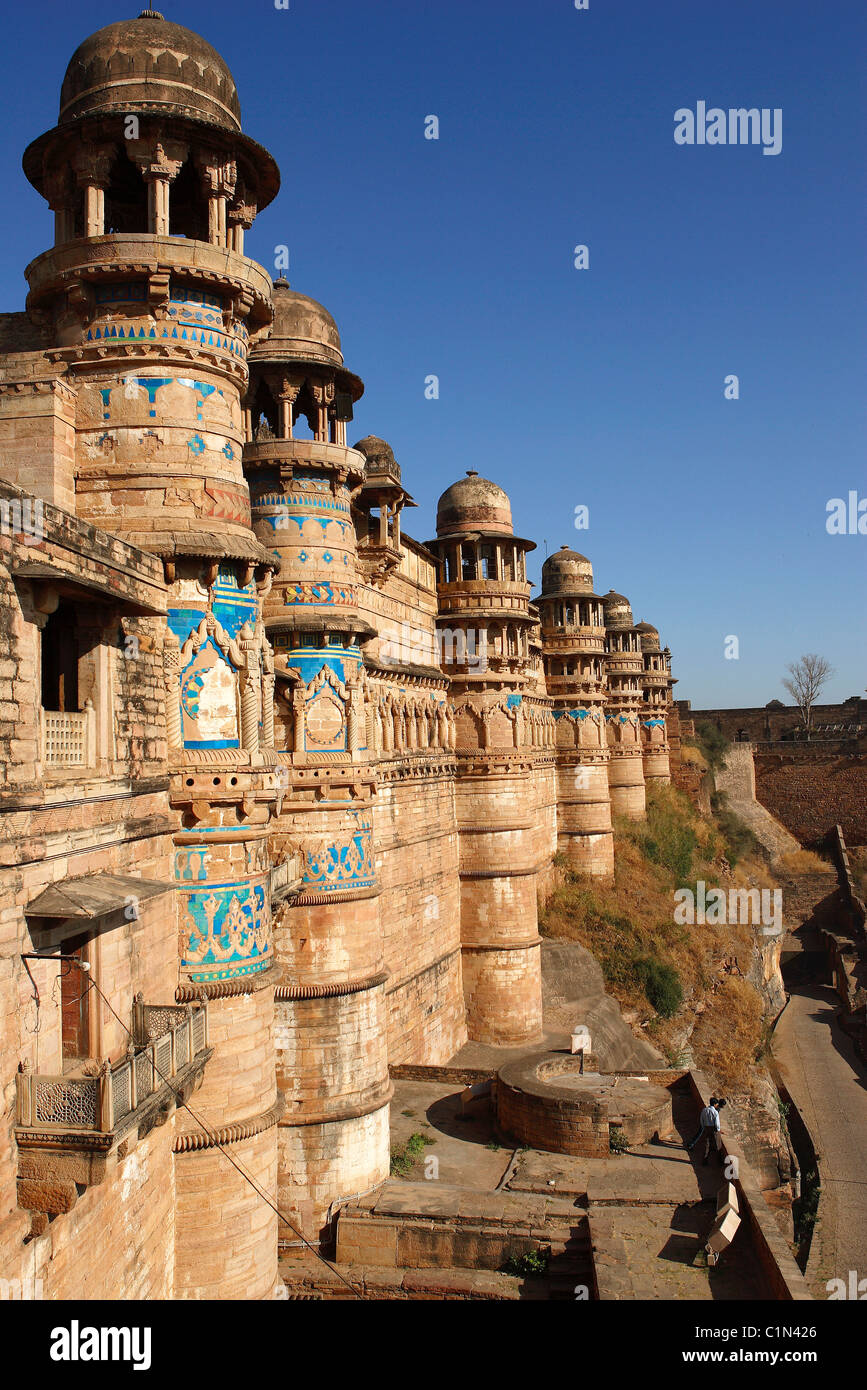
145	65
379	455
649	637
303	329
566	572
618	610
474	503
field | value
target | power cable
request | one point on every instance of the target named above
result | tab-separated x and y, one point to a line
238	1166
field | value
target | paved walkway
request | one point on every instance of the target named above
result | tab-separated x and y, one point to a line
828	1083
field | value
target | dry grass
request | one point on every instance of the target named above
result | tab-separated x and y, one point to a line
753	872
632	918
693	757
727	1039
804	861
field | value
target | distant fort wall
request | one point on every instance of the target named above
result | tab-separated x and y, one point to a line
807	785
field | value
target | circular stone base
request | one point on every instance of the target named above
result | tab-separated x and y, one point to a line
544	1101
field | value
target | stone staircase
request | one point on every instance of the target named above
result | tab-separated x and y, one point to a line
433	1240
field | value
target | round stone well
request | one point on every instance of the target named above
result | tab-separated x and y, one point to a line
545	1101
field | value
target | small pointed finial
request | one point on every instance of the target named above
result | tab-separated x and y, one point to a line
151	14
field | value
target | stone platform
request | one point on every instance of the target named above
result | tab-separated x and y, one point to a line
545	1101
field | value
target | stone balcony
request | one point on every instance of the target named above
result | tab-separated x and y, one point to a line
568	638
581	687
304	453
69	1125
505	597
624	663
87	260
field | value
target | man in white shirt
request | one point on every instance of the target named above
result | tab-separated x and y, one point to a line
708	1129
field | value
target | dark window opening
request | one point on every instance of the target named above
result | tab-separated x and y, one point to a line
126	198
60	660
74	1005
188	206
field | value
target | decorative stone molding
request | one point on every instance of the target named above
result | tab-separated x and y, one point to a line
285	993
198	1139
226	989
340	1112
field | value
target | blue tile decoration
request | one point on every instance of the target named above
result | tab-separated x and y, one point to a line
225	930
345	863
233	606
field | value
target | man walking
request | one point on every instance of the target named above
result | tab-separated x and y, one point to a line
708	1129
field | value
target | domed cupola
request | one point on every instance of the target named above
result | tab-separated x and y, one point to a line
649	637
474	503
149	64
147	293
566	573
149	140
618	611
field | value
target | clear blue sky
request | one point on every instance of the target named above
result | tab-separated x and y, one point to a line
601	387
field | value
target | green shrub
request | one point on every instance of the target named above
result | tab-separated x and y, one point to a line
739	839
533	1262
617	1141
661	984
667	838
713	744
404	1156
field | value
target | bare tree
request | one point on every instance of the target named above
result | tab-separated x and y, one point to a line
804	683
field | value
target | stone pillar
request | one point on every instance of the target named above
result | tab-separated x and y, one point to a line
268	705
298	714
92	165
240	219
287	397
500	855
249	690
159	166
219	178
225	1234
353	720
171	668
59	189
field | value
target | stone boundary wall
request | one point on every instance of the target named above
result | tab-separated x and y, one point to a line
855	905
808	752
809	787
461	1076
760	723
777	1262
847	953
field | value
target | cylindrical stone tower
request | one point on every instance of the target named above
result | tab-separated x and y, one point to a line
573	645
484	625
152	304
624	670
332	1064
655	687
